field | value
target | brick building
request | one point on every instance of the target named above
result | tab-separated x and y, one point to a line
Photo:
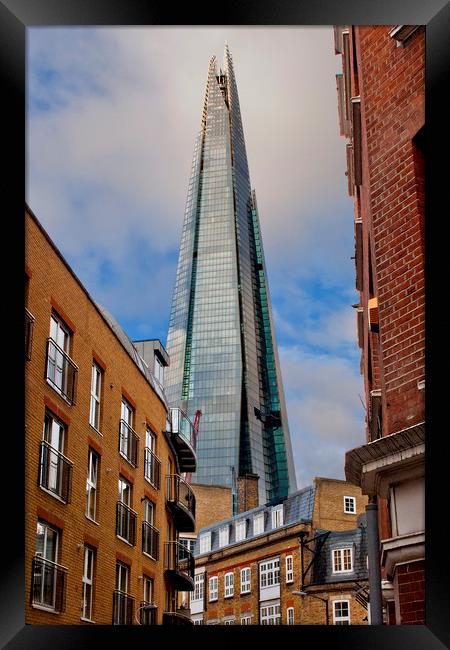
249	565
105	501
381	112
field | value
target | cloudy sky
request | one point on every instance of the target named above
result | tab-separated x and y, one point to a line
112	118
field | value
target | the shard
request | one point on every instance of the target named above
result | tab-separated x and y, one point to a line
221	343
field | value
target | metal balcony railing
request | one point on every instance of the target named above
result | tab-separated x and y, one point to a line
150	540
29	327
48	584
128	443
180	493
55	472
147	613
61	371
126	523
182	426
152	468
184	568
123	605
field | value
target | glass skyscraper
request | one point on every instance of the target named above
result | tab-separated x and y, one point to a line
223	354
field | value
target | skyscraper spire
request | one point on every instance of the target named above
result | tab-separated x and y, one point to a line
221	340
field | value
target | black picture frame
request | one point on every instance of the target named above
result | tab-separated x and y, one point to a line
15	17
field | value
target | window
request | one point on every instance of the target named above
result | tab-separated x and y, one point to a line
127	437
198	621
199	585
271	615
289	569
123	603
246	620
96	386
290	616
277	516
229	585
258	523
342	560
350	505
245	580
341	612
48	578
228	621
61	371
205	542
147	616
152	465
150	535
88	582
269	573
159	370
55	470
148	590
213	588
223	536
91	485
240	530
125	516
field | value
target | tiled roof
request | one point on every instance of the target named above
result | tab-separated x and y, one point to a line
297	508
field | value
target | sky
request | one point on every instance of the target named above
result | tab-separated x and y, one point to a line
112	117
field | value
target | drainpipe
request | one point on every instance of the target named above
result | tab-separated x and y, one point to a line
373	545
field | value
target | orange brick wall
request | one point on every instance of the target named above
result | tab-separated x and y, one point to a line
329	504
52	282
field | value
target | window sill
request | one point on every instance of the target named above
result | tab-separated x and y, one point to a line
154	486
100	434
245	593
228	597
94	522
128	460
43	608
146	554
58	392
213	600
52	494
86	620
122	539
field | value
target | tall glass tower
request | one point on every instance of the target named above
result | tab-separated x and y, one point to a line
223	354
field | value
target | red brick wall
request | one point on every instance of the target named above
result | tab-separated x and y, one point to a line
410	583
391	82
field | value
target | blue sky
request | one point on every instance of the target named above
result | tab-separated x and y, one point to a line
112	118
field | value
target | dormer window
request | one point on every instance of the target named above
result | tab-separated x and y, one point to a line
277	516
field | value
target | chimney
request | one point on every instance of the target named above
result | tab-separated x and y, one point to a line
247	492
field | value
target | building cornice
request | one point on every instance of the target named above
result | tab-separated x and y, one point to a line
401	550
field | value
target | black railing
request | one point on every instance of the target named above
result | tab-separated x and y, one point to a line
128	443
147	613
180	492
123	605
126	523
150	540
48	584
173	553
152	468
29	326
61	371
55	472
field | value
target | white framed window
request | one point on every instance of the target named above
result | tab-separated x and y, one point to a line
199	585
258	523
269	573
96	387
198	621
290	616
271	614
91	485
246	620
45	579
342	560
229	621
148	589
223	536
246	583
57	367
213	588
277	516
289	569
229	584
126	423
341	612
88	583
240	530
350	505
52	463
124	491
205	542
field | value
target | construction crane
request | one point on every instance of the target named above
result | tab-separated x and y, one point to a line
195	427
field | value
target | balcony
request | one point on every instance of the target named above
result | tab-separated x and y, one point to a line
29	327
48	585
55	472
183	439
152	468
180	571
128	443
126	523
180	617
147	613
150	540
61	372
181	503
123	605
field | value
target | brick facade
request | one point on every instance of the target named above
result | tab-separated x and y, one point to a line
53	287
